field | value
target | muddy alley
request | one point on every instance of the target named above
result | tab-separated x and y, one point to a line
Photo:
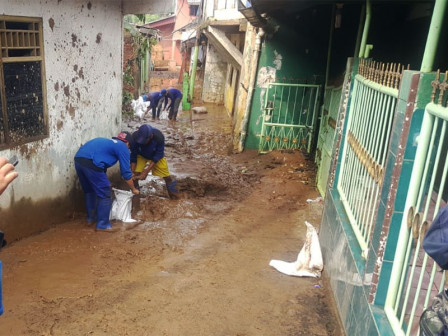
194	266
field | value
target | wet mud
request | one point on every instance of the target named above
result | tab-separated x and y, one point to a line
198	265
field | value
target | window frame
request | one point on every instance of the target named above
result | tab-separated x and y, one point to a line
21	40
193	10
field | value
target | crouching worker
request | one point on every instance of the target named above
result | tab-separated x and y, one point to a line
91	163
148	155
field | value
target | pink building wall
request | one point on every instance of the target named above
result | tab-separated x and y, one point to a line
171	37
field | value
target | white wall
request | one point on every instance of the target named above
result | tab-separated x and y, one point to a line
224	10
215	78
148	6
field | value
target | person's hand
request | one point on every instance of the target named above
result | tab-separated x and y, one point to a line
143	175
135	191
7	174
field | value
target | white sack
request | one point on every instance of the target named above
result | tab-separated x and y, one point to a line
140	107
163	115
122	206
309	262
199	109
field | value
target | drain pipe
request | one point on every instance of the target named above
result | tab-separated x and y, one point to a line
360	29
433	35
250	92
194	67
362	48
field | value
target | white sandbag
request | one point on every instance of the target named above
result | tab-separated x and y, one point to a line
163	115
122	206
199	109
309	262
140	107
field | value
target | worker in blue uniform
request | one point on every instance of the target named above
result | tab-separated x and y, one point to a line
148	155
154	99
175	97
91	163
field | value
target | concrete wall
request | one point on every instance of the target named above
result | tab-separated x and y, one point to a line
83	64
215	80
221	10
166	44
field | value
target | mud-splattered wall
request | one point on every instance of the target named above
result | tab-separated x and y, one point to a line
83	61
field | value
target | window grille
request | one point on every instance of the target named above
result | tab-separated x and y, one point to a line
23	115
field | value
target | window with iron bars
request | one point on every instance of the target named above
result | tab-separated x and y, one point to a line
23	110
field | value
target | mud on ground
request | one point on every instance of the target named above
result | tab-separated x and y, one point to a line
194	266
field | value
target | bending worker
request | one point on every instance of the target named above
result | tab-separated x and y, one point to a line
175	97
148	154
154	98
91	163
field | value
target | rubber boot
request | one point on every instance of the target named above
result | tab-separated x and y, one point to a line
90	207
103	213
136	198
171	186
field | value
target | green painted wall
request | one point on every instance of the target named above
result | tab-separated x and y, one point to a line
296	53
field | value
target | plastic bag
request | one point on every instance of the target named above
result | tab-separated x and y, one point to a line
309	262
122	206
434	320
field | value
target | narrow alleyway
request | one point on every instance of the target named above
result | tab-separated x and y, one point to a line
194	266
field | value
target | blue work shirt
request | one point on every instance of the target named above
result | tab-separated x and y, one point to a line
172	94
105	153
154	150
153	97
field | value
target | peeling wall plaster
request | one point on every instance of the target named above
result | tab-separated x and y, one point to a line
265	76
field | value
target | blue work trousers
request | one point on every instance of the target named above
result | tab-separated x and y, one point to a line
93	181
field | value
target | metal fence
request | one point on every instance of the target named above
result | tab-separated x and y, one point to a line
326	138
415	278
289	116
367	135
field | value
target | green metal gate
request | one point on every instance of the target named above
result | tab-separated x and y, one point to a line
367	135
415	277
289	117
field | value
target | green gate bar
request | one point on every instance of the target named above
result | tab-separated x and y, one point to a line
289	116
